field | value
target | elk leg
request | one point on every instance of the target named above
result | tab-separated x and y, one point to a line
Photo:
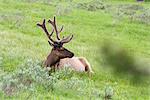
86	64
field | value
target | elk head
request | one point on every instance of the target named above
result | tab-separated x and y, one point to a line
58	51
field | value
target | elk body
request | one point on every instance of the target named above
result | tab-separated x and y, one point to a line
77	63
60	56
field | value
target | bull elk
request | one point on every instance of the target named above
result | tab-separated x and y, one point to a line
60	56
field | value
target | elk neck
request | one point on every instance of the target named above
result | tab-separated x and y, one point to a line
52	59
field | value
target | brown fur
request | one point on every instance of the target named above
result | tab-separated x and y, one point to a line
57	54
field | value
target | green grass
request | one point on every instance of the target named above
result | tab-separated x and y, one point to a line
21	39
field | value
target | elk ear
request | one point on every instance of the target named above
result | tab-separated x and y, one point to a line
50	43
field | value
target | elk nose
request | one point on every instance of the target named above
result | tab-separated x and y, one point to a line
72	54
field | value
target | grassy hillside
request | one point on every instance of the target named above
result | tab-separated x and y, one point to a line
101	30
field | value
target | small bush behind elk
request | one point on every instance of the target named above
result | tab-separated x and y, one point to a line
60	56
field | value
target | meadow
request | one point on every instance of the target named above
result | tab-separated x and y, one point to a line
113	35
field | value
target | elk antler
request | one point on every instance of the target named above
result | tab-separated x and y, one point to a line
55	27
67	39
64	40
58	42
46	31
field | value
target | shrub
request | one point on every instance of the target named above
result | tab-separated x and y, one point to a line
31	75
143	17
63	9
92	6
130	11
27	77
15	20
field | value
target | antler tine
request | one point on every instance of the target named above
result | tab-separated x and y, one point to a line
67	39
61	29
51	44
46	31
55	27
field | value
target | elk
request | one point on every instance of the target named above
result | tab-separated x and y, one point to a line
60	56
